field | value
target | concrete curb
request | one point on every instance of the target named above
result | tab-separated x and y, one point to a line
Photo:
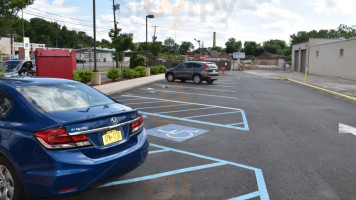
121	86
320	89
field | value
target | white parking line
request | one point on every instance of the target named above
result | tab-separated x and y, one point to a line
207	95
196	88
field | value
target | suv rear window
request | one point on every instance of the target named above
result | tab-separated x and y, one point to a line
213	65
63	97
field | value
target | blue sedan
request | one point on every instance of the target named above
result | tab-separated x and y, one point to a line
57	137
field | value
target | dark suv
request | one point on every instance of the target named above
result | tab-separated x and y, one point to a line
194	70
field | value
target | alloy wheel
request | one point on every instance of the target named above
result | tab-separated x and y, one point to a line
7	184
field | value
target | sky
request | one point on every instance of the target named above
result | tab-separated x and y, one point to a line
186	20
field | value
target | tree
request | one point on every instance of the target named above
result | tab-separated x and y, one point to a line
233	46
275	46
141	46
169	44
252	48
155	47
104	44
133	47
121	42
219	49
8	12
343	31
185	47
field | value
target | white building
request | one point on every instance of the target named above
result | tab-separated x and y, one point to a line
326	57
102	54
17	48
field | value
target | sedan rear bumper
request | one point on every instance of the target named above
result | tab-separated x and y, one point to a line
68	176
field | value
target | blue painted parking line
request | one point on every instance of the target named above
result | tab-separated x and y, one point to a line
235	124
188	118
196	121
262	189
224	113
179	171
140	97
119	99
244	120
186	110
163	106
247	196
206	157
143	102
158	151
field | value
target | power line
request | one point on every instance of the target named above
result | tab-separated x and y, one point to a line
45	17
62	16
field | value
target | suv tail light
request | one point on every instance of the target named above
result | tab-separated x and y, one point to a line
206	68
58	138
136	126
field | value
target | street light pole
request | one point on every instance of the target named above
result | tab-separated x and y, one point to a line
199	46
148	71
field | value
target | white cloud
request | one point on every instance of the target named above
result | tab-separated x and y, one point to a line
58	2
345	7
280	26
250	20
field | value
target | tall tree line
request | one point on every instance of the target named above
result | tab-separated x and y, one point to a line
54	35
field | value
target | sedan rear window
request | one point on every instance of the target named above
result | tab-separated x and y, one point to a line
63	97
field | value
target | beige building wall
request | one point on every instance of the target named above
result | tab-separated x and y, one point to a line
300	53
336	59
5	46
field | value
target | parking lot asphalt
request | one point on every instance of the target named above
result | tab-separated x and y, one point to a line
243	137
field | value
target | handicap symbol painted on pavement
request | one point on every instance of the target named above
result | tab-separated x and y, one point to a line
176	132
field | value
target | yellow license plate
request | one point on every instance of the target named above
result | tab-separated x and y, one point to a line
213	70
111	137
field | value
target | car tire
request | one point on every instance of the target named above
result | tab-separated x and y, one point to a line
210	81
197	79
170	77
9	181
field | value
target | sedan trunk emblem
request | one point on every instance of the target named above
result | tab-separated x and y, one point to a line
114	120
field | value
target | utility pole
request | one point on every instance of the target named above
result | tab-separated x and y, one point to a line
115	25
94	29
23	36
12	43
97	75
154	36
23	27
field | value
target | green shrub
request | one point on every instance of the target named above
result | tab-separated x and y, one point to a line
141	70
131	74
137	60
125	72
1	70
136	74
128	73
76	76
113	74
143	73
154	69
85	76
162	69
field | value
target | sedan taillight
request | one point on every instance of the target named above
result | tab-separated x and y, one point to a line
136	126
58	138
